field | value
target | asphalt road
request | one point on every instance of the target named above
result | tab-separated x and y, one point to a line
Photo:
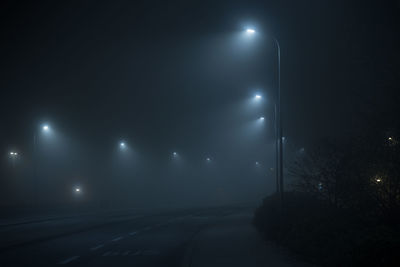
116	239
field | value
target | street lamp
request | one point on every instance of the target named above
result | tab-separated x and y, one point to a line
45	129
257	97
250	31
261	118
13	156
278	121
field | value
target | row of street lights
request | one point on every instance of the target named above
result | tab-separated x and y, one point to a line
122	146
278	129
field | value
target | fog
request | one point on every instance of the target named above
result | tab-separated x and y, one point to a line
178	126
180	81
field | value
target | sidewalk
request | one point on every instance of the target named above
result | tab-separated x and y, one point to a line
233	241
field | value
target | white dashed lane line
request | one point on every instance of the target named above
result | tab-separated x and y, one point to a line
126	253
66	261
117	239
107	253
97	247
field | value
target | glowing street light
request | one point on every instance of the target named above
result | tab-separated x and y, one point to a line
77	190
257	97
122	145
13	156
208	159
46	128
250	31
261	118
175	154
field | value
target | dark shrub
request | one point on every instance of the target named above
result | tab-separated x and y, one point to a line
324	234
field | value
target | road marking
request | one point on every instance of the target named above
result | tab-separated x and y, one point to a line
137	253
68	260
117	239
107	253
97	247
132	233
150	252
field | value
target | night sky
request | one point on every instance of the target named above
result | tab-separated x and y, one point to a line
170	76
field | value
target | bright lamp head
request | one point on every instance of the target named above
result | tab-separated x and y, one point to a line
250	31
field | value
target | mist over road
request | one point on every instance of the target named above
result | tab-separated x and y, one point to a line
190	237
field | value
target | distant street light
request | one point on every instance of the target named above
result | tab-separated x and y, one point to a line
13	156
257	163
262	118
77	190
45	129
122	145
175	154
208	159
257	97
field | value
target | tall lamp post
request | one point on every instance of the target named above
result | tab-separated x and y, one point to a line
278	124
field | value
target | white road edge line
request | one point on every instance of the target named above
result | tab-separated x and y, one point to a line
68	260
